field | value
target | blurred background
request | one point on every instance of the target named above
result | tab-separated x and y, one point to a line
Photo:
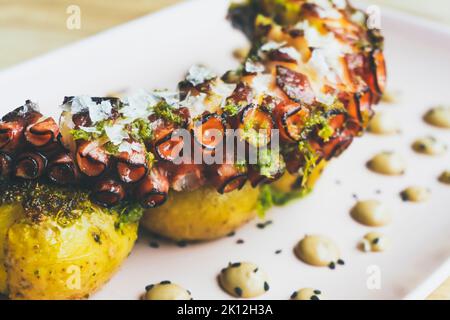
32	27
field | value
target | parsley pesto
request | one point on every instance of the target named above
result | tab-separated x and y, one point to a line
65	205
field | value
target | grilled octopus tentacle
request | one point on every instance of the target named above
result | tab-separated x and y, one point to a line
227	177
132	166
209	131
63	170
290	119
108	192
187	177
30	165
92	159
6	165
42	133
256	125
11	136
153	190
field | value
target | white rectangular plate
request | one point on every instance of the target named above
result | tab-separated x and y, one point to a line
155	51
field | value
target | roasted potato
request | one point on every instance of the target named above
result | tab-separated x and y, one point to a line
203	214
56	244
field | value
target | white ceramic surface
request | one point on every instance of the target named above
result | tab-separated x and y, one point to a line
156	50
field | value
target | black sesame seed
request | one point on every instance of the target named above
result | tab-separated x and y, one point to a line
355	196
317	292
256	270
341	262
154	244
240	241
182	243
294	295
262	225
376	241
266	286
404	196
165	282
235	265
295	33
332	266
97	238
223	270
278	251
149	287
238	291
231	234
314	297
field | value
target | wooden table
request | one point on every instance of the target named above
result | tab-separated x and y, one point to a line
32	27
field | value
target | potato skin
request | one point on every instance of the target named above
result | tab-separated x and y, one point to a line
9	214
202	214
44	260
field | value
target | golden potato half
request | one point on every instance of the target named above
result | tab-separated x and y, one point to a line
55	256
203	214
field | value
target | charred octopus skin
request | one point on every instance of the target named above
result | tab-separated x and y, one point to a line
312	75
